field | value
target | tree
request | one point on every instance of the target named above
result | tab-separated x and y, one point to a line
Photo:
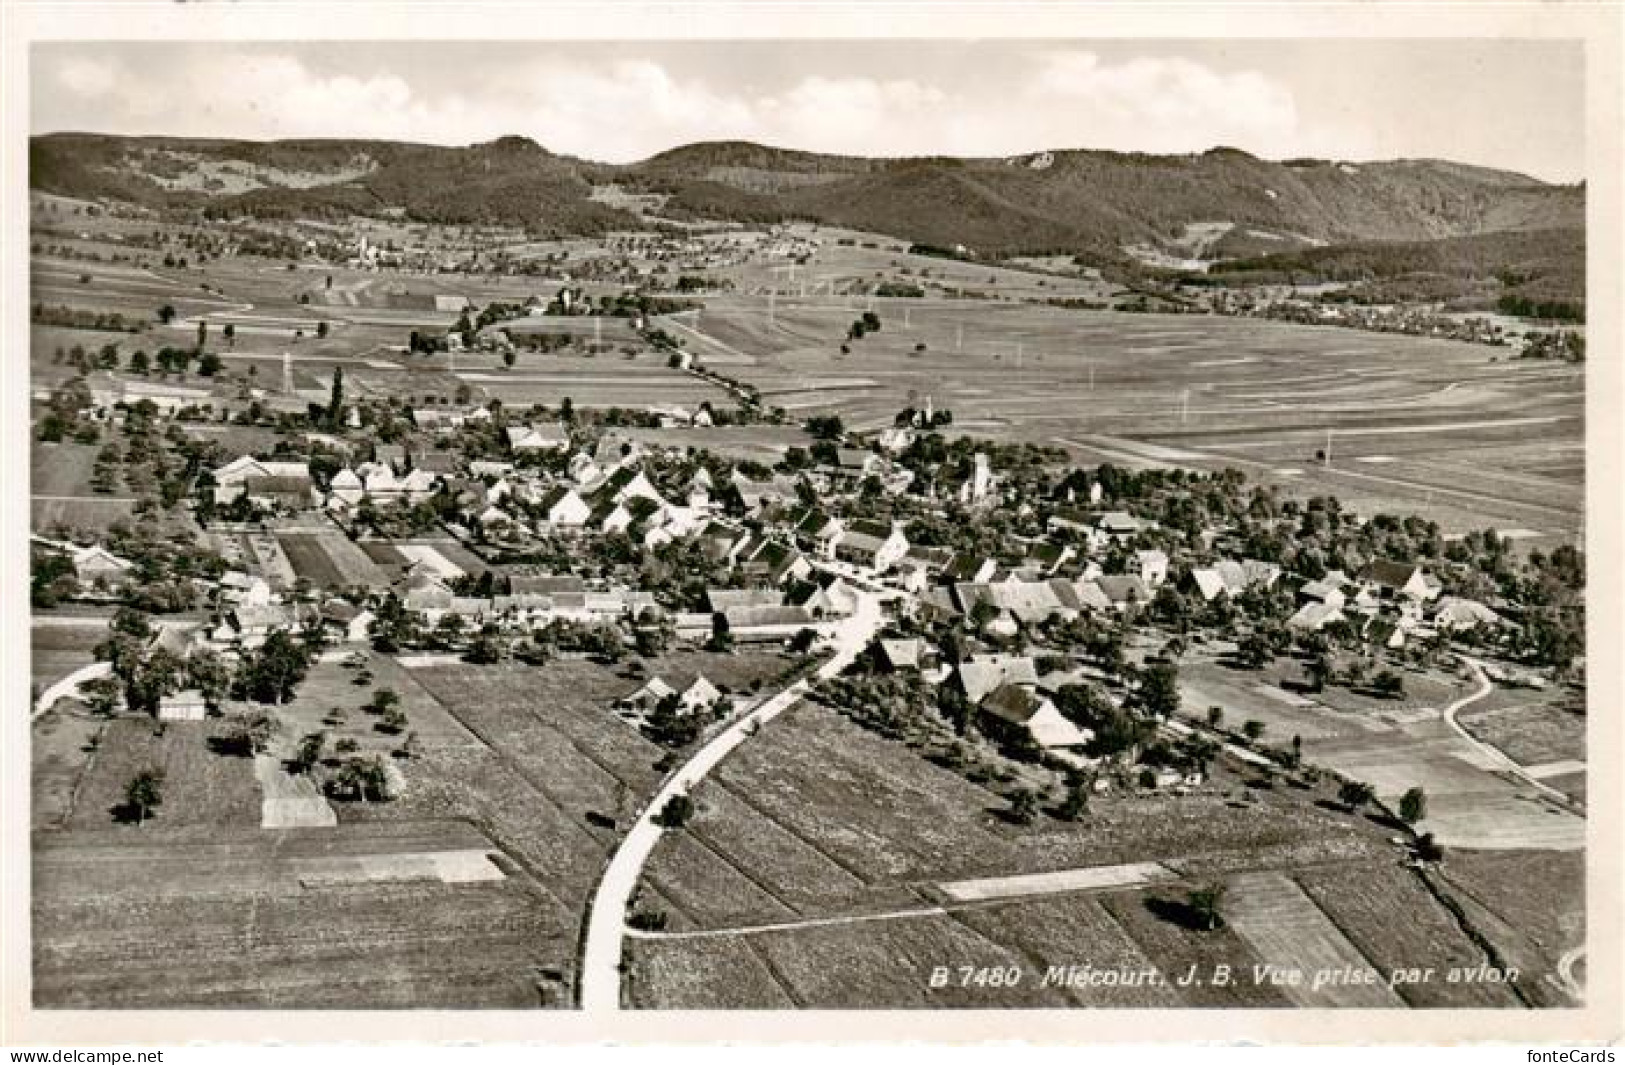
321	330
1413	806
721	633
251	734
139	362
1255	650
1076	806
1319	671
1205	904
202	335
335	403
144	793
230	333
676	813
1023	806
309	752
1355	794
276	669
166	314
1215	716
1253	729
209	364
1388	684
1159	689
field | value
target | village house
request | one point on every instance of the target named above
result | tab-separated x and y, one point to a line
188	705
97	564
248	626
1150	566
698	694
277	478
871	545
530	439
562	508
242	589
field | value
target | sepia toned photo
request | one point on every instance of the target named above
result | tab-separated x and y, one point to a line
773	524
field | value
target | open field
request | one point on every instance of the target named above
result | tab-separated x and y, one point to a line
522	754
1284	926
329	559
62	742
852	837
1470	803
1361	901
1473	442
204	789
57	650
1531	728
245	918
1529	904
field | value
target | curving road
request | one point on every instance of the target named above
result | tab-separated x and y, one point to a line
68	685
1495	754
606	920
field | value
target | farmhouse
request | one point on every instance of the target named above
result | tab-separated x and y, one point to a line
983	674
1014	708
1395	580
762	624
1123	591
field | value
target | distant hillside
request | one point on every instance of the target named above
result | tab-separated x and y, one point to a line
1099	201
1073	202
1545	264
512	180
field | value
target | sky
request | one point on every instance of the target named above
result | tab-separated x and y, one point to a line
1511	104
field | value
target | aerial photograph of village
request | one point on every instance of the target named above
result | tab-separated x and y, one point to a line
719	535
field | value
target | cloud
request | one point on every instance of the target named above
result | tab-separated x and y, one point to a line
85	77
629	107
1166	104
